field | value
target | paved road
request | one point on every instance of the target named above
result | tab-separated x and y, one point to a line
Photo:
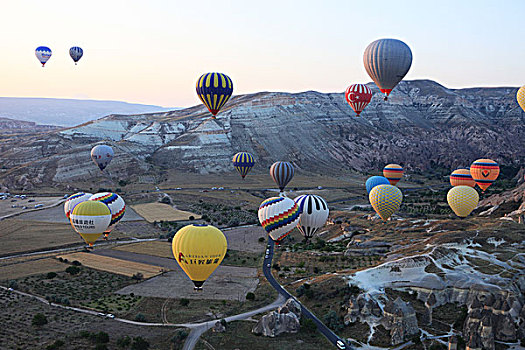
267	270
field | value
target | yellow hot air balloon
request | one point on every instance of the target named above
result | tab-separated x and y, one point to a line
484	172
386	200
462	177
462	200
521	97
90	219
393	172
199	250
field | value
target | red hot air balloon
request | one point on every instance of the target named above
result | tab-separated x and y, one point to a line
358	97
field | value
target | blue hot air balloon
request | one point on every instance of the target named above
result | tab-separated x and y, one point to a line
214	90
76	53
243	162
43	53
373	181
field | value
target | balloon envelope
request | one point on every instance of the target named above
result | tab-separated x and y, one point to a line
387	61
214	90
282	173
199	250
484	172
116	206
462	200
43	53
90	219
243	162
358	97
102	155
73	200
314	212
373	181
278	216
386	200
462	177
76	53
520	96
393	172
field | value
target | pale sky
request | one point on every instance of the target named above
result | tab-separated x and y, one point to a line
153	51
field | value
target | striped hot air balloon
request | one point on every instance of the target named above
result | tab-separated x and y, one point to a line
393	172
462	200
214	90
462	177
43	53
520	96
76	53
116	206
278	216
282	173
373	181
386	200
358	97
90	219
243	162
314	212
73	200
484	172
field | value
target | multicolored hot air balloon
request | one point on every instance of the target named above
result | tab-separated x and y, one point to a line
462	177
243	162
520	96
102	155
386	200
76	53
214	90
282	173
73	200
90	219
199	250
484	172
387	61
462	200
116	206
43	53
314	212
373	181
393	172
278	216
358	97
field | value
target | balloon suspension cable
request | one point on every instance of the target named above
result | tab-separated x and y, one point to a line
198	289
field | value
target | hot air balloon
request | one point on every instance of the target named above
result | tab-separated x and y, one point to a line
462	200
484	172
116	206
520	96
278	216
43	53
90	219
373	181
462	177
102	155
199	250
73	200
243	162
76	53
393	172
387	61
314	212
282	173
386	200
358	97
214	90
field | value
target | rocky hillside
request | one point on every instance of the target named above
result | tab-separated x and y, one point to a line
12	126
423	125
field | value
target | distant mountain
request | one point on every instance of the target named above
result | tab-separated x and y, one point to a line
67	112
13	126
422	126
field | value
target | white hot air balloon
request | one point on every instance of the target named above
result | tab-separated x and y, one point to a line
102	155
116	206
73	200
314	212
278	216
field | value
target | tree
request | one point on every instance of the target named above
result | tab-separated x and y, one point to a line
138	276
250	296
102	338
139	343
73	270
123	342
57	344
184	302
39	320
140	317
308	325
51	275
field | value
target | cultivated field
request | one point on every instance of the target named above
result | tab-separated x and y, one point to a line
154	248
159	211
29	268
118	266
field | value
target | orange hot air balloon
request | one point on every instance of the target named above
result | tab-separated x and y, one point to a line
462	177
393	172
484	172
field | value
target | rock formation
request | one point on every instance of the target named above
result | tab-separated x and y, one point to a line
286	319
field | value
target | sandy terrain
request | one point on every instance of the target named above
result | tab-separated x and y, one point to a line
158	211
29	268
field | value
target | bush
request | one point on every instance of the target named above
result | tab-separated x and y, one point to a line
179	337
140	317
308	325
102	338
191	217
123	342
276	267
138	276
140	343
184	302
51	275
76	263
84	334
261	239
39	320
73	270
101	347
12	284
250	296
57	344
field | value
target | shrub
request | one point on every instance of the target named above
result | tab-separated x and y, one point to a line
100	346
73	270
250	296
39	320
57	344
102	338
51	275
138	276
60	259
85	334
139	343
261	239
191	217
308	325
184	302
123	342
12	284
76	263
140	317
276	267
179	337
